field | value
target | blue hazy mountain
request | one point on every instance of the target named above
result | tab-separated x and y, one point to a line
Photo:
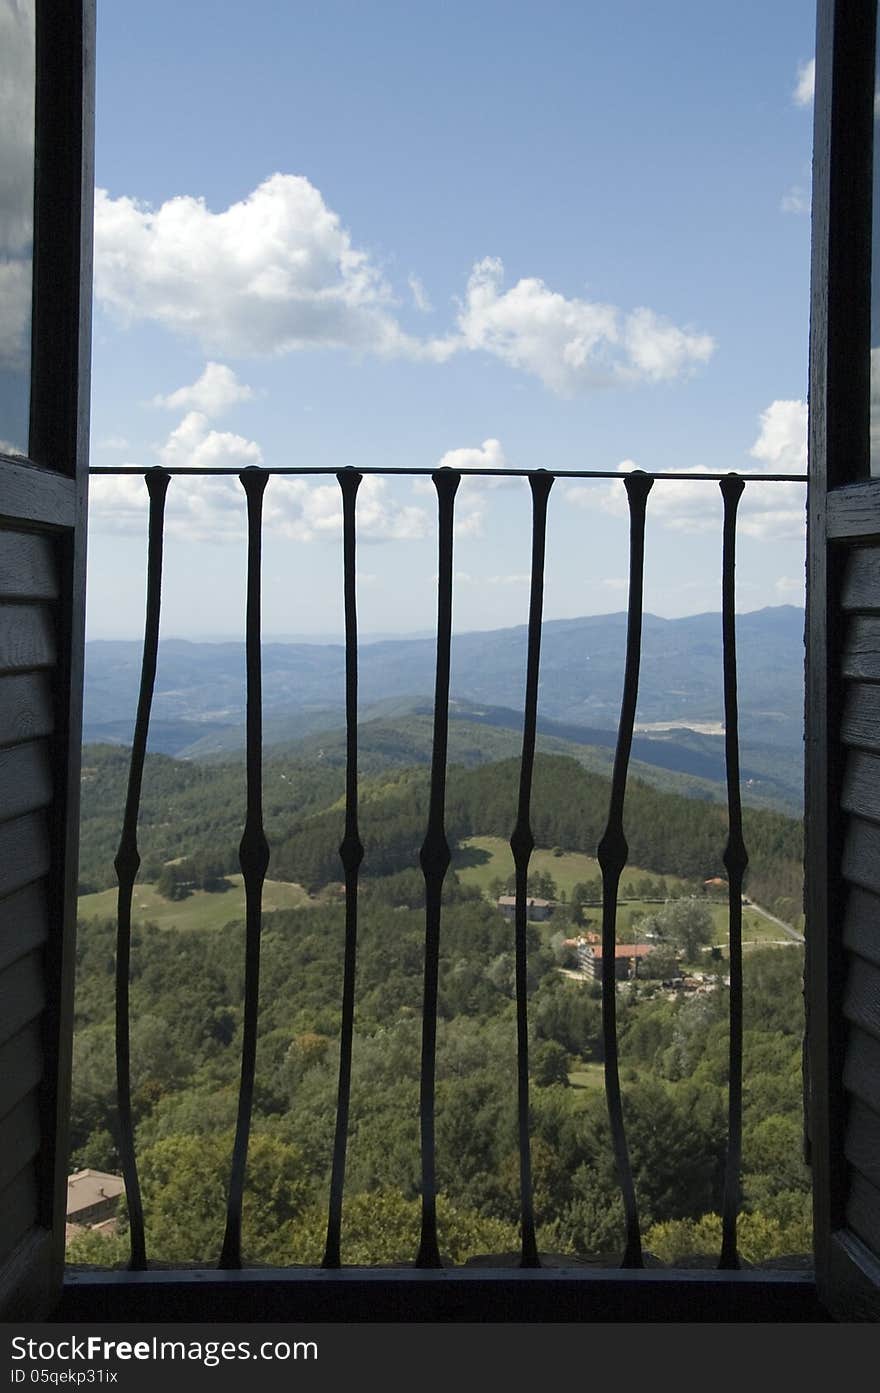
198	707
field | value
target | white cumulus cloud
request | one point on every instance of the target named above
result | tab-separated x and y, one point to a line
196	509
489	455
421	299
274	272
305	512
16	181
15	310
469	499
806	84
768	511
796	200
791	589
214	392
278	272
211	508
572	344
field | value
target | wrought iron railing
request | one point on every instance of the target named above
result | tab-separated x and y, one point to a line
435	855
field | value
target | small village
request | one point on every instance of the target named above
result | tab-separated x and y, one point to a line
586	948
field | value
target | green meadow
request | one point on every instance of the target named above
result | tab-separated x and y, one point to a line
200	910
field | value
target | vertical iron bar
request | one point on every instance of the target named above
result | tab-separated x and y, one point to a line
522	844
434	859
127	864
613	852
735	860
253	857
351	852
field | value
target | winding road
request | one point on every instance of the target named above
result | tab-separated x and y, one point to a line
793	934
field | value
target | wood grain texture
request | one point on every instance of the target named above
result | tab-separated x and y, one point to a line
21	1065
27	638
861	785
26	1278
860	659
21	1138
24	852
24	922
860	588
22	995
862	1144
861	716
28	566
861	1000
25	779
863	1210
861	1074
861	925
18	1209
854	510
861	854
34	495
852	1284
26	707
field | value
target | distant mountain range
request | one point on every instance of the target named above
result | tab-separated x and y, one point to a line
198	708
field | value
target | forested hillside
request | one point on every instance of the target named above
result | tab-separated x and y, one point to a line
186	1000
186	1033
195	810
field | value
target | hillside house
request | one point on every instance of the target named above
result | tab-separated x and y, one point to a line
537	910
627	956
92	1197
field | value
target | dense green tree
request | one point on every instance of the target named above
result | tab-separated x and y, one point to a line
186	1011
549	1064
662	964
685	924
184	1180
383	1227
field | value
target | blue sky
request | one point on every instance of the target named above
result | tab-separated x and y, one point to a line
568	235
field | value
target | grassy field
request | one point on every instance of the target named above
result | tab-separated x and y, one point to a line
587	1076
486	858
756	930
200	910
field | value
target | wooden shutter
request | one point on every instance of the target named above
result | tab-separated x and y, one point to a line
843	680
42	609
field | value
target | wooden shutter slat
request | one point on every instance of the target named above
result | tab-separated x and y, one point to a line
862	1145
28	566
861	1072
25	779
27	637
24	923
21	1128
861	785
21	1066
25	707
861	717
22	994
24	852
861	925
861	581
861	1000
861	854
18	1207
863	1210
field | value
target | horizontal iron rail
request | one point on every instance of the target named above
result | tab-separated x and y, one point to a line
332	469
481	1294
